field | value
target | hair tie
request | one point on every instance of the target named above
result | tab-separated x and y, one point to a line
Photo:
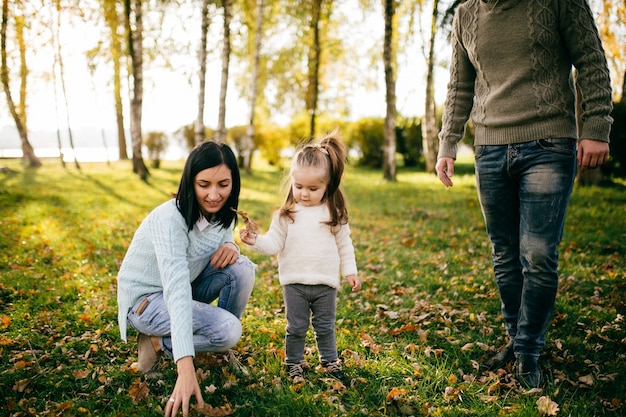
321	148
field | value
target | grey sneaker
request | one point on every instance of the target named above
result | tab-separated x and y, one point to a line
296	373
334	369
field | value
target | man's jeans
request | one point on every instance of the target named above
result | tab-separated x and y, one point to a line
524	191
215	328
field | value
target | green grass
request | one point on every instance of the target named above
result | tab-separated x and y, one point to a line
410	340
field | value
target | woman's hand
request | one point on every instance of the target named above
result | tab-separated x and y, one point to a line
225	255
247	236
186	387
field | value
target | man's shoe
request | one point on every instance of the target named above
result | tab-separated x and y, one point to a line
500	359
529	373
149	353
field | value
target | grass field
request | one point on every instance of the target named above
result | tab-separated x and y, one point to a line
411	340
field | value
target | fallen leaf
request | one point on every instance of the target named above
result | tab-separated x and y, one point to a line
395	394
81	373
547	407
138	391
586	379
208	410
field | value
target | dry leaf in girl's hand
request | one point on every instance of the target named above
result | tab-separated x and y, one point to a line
250	225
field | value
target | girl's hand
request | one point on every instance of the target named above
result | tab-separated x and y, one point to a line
225	255
186	387
355	282
248	236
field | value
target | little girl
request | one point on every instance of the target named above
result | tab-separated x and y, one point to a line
311	235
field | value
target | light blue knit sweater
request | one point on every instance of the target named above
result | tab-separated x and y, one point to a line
164	256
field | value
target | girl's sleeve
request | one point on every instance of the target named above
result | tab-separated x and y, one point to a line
346	251
273	241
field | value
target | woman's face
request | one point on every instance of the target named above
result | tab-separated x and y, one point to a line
213	187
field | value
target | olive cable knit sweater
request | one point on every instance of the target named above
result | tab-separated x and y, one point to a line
511	69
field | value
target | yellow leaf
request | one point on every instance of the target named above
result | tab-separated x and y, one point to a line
5	321
395	393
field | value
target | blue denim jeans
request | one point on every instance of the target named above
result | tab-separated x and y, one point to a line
302	301
524	190
215	328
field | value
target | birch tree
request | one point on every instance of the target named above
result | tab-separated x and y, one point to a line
247	145
220	134
134	32
389	142
17	110
430	140
111	18
199	131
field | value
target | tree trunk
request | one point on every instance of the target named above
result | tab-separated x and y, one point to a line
247	146
199	130
59	61
389	147
221	123
135	48
111	17
315	52
429	122
28	154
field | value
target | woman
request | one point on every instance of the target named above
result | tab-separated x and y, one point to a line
182	258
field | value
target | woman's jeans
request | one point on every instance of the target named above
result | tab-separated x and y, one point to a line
524	191
302	301
215	328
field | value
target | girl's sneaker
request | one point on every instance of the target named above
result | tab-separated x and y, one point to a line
296	372
334	369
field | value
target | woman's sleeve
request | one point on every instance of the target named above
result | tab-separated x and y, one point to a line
168	232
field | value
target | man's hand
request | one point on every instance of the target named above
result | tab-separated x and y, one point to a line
445	170
592	154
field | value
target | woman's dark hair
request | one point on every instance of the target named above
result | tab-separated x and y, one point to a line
206	155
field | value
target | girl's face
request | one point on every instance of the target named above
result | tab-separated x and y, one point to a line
213	187
308	185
